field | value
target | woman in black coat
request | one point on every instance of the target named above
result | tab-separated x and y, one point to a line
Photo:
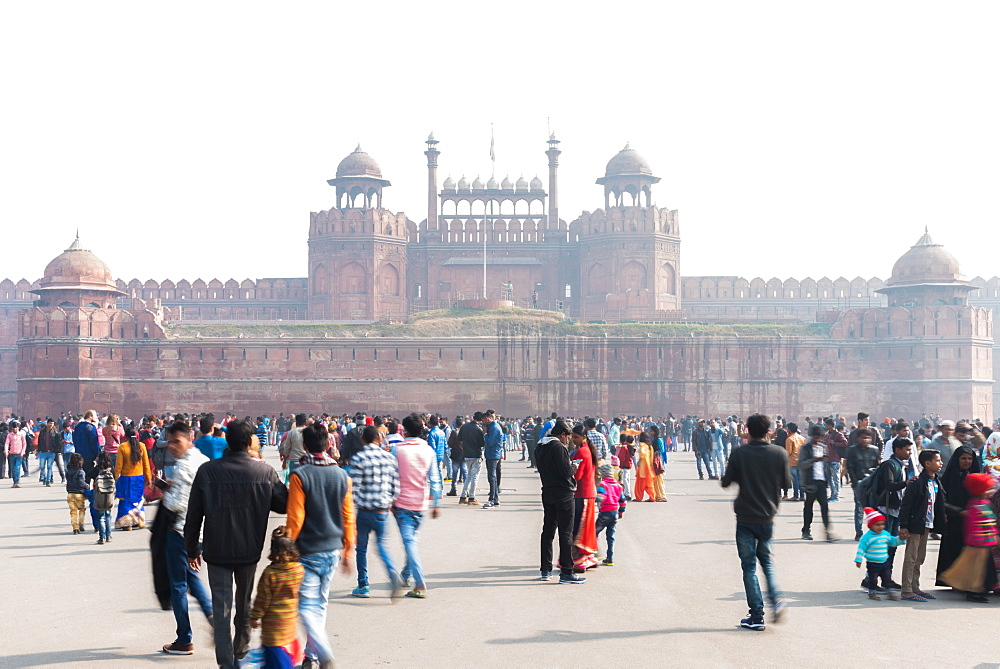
964	461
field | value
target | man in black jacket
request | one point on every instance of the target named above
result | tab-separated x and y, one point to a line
920	513
863	458
473	441
558	486
761	470
232	495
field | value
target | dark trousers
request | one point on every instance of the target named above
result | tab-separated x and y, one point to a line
892	527
531	454
457	472
815	492
229	645
59	466
876	570
558	517
493	475
608	520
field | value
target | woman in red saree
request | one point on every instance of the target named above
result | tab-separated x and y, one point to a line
585	510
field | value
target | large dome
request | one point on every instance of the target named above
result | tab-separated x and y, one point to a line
627	162
77	268
359	164
925	262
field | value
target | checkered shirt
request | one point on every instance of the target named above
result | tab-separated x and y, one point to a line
600	442
375	477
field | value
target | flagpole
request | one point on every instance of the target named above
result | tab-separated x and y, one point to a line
493	172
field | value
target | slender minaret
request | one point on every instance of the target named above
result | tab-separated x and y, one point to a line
553	154
432	182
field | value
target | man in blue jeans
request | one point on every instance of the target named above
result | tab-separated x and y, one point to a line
321	520
376	487
701	442
183	579
493	451
761	471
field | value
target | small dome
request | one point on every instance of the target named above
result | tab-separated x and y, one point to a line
536	183
463	183
492	184
477	184
925	262
627	162
522	183
359	164
506	184
77	268
430	138
449	183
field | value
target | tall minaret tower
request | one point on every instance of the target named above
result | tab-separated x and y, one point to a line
553	154
432	180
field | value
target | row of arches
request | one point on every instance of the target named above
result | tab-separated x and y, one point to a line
500	207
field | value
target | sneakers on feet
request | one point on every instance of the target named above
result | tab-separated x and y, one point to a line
546	576
874	595
463	500
807	536
753	623
777	611
489	505
472	501
179	648
451	493
100	542
607	563
362	591
574	579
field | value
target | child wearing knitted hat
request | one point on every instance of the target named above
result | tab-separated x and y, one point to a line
611	507
874	548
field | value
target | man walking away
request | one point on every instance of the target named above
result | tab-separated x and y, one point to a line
376	488
493	450
761	471
473	442
232	497
419	478
321	521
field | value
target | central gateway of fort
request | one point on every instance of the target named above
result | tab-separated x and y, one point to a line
919	341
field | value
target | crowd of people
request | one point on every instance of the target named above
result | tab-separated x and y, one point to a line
344	478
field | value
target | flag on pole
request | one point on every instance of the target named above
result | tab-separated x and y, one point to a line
493	155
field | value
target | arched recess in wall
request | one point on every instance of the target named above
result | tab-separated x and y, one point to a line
353	278
668	279
597	280
321	280
388	280
633	276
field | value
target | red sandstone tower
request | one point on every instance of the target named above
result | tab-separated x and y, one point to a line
630	250
357	250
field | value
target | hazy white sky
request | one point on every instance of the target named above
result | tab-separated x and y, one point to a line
192	139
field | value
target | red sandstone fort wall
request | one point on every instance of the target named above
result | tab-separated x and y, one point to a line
707	376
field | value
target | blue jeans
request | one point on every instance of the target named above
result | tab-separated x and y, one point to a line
457	468
313	595
796	488
753	543
718	462
45	462
104	524
491	476
705	457
182	582
409	524
369	521
608	520
14	467
833	477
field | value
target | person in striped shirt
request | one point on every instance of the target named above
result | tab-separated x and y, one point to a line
874	548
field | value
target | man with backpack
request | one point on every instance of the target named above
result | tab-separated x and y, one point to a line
884	491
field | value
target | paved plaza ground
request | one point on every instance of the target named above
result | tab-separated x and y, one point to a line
674	598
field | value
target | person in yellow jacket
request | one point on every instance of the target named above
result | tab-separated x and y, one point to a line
132	475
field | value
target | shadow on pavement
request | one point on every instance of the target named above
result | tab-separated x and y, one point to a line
74	656
572	636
